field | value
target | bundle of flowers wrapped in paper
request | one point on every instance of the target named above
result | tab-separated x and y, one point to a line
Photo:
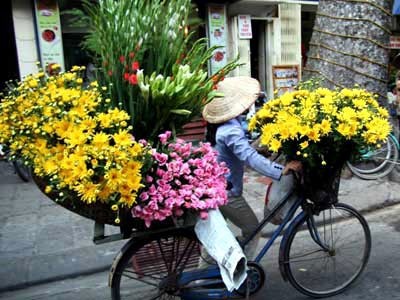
322	128
84	151
181	178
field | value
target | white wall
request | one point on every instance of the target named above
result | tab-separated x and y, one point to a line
24	28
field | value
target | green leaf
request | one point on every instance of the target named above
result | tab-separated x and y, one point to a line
183	112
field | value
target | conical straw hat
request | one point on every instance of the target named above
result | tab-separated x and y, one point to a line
239	93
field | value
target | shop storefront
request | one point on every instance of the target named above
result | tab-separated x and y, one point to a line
267	35
271	38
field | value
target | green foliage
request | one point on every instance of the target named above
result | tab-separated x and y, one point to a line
310	85
172	85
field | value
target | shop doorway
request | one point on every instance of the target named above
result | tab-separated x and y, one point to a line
10	69
258	52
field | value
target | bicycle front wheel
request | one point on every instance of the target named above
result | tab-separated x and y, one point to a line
326	253
376	163
151	268
22	170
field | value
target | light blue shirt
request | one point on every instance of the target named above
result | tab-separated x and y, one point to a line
234	149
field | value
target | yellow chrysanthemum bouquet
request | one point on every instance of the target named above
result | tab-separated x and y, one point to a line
73	139
321	127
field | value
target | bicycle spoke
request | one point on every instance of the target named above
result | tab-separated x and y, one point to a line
168	266
307	259
306	254
138	279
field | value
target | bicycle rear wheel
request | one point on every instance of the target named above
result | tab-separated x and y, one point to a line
150	268
376	163
330	254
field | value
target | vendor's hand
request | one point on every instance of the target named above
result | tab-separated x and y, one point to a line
293	165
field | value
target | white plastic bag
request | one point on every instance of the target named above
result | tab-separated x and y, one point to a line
278	190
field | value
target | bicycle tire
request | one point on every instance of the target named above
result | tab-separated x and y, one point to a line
379	163
153	266
319	286
22	170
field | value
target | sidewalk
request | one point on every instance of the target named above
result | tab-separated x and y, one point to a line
41	241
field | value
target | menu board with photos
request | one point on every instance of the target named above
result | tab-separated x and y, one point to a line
285	78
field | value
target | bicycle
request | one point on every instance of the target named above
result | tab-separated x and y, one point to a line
22	170
375	163
164	263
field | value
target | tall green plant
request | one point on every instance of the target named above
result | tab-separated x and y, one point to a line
131	35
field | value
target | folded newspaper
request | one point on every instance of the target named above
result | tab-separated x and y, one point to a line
223	247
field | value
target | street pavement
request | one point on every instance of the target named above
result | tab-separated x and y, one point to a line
41	242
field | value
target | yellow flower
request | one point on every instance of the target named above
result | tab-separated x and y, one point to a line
33	83
100	140
76	137
274	145
304	145
123	138
313	135
128	200
114	178
325	126
105	193
114	207
50	166
105	120
88	191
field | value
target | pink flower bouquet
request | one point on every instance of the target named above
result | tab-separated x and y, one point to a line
181	178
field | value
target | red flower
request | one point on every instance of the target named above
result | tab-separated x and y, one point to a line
109	73
131	55
126	76
122	59
133	79
135	65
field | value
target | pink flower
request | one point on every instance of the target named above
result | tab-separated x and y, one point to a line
182	178
164	137
203	215
144	196
161	158
143	142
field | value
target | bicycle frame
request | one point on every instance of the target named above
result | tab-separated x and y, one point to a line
211	276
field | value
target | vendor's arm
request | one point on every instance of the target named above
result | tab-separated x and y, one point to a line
239	145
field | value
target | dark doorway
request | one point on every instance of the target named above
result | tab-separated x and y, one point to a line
10	69
257	52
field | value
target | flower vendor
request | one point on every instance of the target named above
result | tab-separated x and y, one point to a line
239	93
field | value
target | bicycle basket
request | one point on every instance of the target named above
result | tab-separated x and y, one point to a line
321	186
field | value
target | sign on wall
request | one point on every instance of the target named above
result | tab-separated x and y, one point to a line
49	33
217	35
244	26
